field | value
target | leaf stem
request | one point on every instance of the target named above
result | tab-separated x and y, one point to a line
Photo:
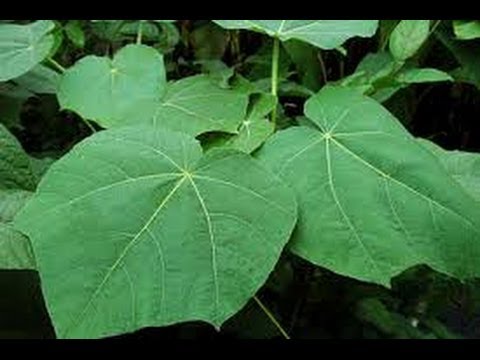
57	65
139	32
322	67
90	126
272	318
275	61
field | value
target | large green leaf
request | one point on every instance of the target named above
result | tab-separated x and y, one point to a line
325	34
15	167
23	46
462	166
407	38
196	104
135	227
372	201
126	89
15	249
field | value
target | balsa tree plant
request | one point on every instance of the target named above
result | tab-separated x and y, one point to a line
140	226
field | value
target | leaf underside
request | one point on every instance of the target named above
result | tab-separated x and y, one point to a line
325	34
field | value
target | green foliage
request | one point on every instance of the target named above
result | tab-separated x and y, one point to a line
118	91
213	246
325	34
394	217
467	29
407	38
266	177
23	46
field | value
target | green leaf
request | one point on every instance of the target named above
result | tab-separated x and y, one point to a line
15	167
15	249
372	201
73	30
255	129
23	46
115	92
414	76
11	201
325	34
305	57
462	166
40	80
407	38
466	29
196	104
162	233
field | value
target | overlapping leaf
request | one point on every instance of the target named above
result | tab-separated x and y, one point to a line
114	92
131	89
372	202
407	38
23	46
196	104
461	165
135	227
325	34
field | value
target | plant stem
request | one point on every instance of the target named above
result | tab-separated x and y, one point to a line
275	61
57	65
90	126
139	32
322	67
272	318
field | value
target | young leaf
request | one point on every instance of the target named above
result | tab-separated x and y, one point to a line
325	34
124	90
414	76
407	38
196	104
23	46
15	249
462	166
162	233
15	166
372	202
466	29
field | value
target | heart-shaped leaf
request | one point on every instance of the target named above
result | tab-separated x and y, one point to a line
162	234
325	34
372	201
23	46
124	90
